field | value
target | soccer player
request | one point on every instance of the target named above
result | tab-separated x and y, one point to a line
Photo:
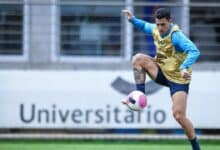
171	66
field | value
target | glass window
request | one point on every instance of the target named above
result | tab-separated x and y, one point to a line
90	30
143	43
205	31
11	29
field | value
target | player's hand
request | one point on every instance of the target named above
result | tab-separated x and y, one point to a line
185	74
128	13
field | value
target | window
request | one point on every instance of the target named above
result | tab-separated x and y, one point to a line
205	31
143	43
90	30
11	29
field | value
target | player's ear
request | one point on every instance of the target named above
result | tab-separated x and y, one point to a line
170	20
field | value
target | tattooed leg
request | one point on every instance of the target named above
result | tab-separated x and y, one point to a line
142	65
139	77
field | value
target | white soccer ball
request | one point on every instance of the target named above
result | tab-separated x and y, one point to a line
136	100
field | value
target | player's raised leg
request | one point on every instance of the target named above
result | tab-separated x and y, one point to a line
143	64
179	112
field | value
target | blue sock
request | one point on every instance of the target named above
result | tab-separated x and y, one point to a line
141	87
195	144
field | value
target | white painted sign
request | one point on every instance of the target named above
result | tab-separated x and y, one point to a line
87	99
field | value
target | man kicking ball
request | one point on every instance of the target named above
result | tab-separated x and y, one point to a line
171	66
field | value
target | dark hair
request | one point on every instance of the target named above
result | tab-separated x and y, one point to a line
162	13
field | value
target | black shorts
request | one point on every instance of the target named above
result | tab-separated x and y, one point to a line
174	87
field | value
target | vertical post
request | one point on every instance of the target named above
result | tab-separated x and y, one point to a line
128	37
26	31
54	34
185	16
40	37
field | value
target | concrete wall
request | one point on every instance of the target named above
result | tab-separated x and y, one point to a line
40	32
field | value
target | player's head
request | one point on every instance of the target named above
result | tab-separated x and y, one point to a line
163	20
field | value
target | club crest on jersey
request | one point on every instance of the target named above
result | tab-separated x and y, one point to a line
161	42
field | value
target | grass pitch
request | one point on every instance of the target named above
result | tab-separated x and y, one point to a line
103	145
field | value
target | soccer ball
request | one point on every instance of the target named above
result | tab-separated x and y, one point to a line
135	101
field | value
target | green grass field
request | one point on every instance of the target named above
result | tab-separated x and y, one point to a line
103	145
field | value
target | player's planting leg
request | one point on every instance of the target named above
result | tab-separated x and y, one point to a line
143	64
179	113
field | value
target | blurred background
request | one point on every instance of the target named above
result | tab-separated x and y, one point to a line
65	67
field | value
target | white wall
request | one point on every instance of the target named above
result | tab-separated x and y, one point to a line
86	99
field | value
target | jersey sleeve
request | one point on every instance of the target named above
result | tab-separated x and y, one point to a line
184	44
142	25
